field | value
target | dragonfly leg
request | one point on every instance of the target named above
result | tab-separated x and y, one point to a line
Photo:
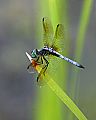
39	62
29	66
42	72
43	69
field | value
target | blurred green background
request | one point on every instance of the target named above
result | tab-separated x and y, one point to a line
19	22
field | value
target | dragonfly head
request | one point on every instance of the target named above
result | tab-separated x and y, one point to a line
34	53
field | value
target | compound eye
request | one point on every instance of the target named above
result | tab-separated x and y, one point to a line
33	53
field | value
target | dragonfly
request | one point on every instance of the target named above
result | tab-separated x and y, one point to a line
52	47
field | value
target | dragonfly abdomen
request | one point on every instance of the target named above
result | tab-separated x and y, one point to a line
49	51
67	59
71	61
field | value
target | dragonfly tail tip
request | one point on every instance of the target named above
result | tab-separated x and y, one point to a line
82	66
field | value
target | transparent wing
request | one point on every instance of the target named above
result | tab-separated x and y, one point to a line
31	69
30	66
58	38
50	71
48	32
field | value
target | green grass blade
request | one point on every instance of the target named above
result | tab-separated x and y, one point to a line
56	7
60	93
63	96
65	99
83	25
84	21
50	10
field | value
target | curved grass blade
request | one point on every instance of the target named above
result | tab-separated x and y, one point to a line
60	93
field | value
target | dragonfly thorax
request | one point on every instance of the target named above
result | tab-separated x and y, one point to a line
46	51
